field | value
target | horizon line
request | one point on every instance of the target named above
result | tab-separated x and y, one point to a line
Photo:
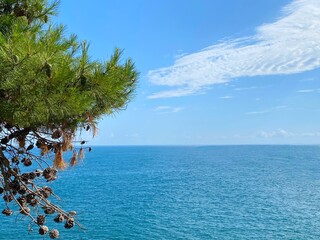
201	145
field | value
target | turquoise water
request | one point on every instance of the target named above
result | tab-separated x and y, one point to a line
219	192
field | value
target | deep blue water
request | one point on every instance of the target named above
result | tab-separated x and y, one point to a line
216	192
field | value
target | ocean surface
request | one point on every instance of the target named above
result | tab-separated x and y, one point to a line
214	192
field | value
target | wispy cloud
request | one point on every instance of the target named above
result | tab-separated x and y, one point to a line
168	109
307	80
110	135
226	97
133	135
285	134
257	112
267	110
174	93
278	133
179	54
287	46
245	88
308	90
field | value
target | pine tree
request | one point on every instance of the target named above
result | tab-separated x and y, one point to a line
50	90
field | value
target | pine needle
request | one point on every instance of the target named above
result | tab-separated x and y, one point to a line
74	159
58	161
44	149
81	153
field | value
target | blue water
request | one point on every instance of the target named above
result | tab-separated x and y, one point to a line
218	192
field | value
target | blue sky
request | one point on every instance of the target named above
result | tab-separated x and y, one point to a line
211	72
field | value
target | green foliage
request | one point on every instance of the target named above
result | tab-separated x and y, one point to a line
47	78
49	89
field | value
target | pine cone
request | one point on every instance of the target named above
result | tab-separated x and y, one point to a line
7	198
69	223
50	174
48	210
26	162
59	218
54	233
22	190
32	175
22	201
30	147
38	172
19	11
48	69
5	140
56	134
7	212
34	202
25	210
46	192
43	230
30	197
14	185
15	160
15	59
41	219
25	177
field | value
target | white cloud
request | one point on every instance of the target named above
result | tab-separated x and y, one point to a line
179	54
173	93
287	46
306	90
257	112
167	109
245	88
285	134
278	133
111	135
133	135
267	110
307	79
226	97
310	134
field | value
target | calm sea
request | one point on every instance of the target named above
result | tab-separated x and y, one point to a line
215	192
